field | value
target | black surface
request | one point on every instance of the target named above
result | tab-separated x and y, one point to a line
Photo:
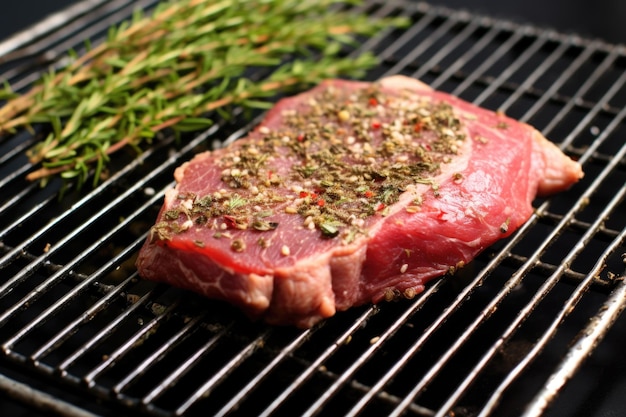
603	19
600	387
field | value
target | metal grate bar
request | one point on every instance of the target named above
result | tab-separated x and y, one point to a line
512	283
313	367
552	91
460	37
601	69
83	319
566	310
442	30
534	76
544	289
595	331
53	279
59	337
503	49
35	209
414	348
62	367
506	74
128	345
70	236
185	367
22	40
12	153
615	122
48	402
100	19
485	40
229	367
418	27
349	373
158	355
283	354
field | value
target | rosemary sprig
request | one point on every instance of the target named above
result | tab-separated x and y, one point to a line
174	69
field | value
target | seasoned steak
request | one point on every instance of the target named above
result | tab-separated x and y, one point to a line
347	194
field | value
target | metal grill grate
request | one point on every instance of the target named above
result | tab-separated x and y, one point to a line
81	333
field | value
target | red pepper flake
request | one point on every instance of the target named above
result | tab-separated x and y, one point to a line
230	221
369	194
303	194
380	206
376	124
373	101
417	127
300	137
321	202
314	196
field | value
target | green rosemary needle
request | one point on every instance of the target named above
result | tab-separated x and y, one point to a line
174	69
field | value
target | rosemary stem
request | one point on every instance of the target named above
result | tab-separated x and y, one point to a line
174	68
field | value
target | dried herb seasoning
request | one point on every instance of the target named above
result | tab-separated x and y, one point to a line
350	158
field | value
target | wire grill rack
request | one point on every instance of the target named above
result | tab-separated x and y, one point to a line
82	334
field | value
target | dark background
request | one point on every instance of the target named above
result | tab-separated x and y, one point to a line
604	19
599	19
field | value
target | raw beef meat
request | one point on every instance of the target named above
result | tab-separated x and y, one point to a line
349	193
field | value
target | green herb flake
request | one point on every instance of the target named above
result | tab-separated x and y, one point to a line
172	214
329	230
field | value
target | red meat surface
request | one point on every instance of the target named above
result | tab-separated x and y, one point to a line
347	194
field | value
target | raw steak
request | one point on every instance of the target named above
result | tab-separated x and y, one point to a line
346	194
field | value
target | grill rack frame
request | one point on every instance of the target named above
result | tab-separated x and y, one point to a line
393	61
